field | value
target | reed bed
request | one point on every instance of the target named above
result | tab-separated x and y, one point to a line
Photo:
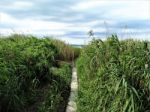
114	76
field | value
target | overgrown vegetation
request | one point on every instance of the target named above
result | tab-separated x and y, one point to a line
66	52
32	75
57	96
114	76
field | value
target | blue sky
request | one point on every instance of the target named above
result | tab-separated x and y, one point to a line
70	20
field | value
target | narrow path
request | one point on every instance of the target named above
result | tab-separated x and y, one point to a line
73	95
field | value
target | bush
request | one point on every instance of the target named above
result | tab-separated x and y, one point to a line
57	96
26	68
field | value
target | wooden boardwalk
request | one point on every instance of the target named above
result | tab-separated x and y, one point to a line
72	107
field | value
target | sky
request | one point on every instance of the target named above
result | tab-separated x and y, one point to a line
71	20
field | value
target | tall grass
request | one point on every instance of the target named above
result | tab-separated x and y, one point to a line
26	72
66	52
114	76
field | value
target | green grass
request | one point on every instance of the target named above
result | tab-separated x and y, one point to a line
31	76
56	98
114	76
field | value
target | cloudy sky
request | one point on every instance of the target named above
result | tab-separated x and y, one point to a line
70	20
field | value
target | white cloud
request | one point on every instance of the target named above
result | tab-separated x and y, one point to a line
24	5
39	24
130	10
88	4
77	41
32	26
6	18
141	37
5	31
116	9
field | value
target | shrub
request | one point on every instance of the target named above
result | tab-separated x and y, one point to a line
26	68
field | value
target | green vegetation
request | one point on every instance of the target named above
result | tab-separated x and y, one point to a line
66	52
35	74
114	76
56	98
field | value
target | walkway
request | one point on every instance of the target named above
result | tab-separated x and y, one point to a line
72	107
